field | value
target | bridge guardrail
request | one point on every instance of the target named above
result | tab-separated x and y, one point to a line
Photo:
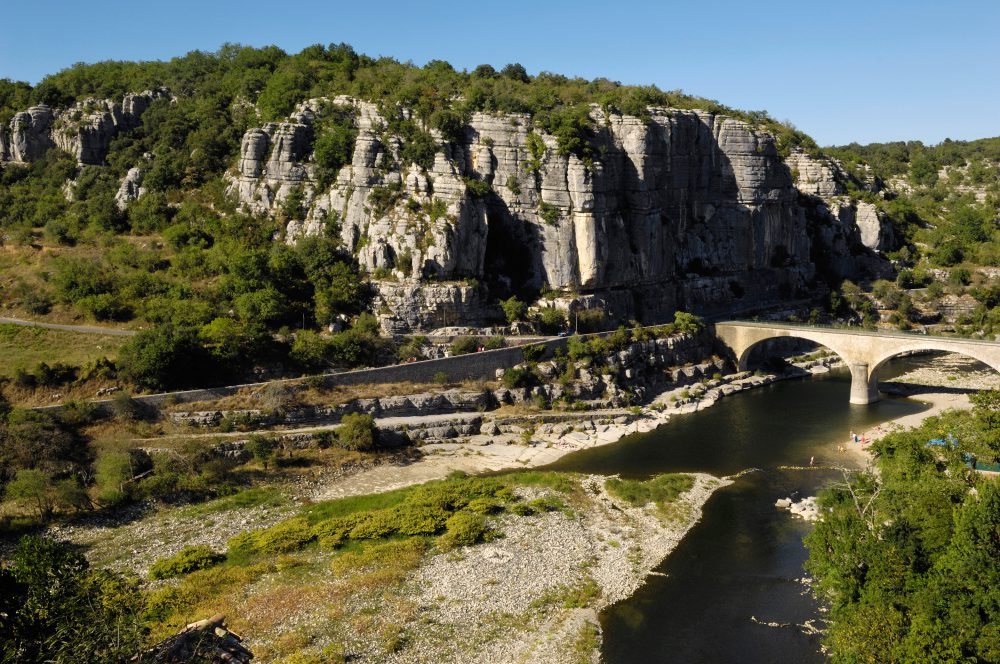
852	329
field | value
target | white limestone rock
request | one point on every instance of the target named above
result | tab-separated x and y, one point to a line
131	188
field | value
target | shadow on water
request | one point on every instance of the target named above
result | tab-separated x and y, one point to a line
745	556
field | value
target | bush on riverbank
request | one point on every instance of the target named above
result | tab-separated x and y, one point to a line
909	558
660	490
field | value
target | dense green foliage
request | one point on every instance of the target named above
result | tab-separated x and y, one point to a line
54	608
452	508
941	218
357	432
43	459
909	559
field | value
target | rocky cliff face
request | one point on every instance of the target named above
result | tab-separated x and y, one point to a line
849	222
84	130
681	210
684	210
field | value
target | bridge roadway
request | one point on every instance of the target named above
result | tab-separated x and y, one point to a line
863	351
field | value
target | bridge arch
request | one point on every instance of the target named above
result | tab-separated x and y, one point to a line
967	350
742	361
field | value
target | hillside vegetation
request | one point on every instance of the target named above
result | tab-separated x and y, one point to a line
944	204
220	293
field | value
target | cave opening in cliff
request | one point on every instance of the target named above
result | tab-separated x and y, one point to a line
508	264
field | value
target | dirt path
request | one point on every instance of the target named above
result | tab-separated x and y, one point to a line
85	329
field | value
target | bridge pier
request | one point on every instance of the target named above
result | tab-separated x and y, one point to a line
863	390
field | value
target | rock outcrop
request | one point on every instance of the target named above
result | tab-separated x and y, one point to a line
847	222
685	209
85	130
29	135
131	188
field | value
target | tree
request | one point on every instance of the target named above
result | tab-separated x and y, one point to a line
262	448
112	470
357	432
35	440
986	410
687	323
514	309
54	608
32	488
163	358
515	71
551	320
309	350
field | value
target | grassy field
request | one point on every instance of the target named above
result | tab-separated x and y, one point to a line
24	347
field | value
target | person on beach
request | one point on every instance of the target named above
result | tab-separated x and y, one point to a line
812	460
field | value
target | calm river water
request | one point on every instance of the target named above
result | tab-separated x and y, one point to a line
745	556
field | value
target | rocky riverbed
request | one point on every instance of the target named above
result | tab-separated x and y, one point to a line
546	579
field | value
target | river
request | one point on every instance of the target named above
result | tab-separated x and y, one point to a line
745	556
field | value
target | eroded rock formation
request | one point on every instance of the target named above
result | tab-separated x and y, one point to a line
683	209
848	222
84	130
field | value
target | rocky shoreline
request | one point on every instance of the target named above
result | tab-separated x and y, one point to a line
532	441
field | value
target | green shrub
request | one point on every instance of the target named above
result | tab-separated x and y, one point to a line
551	320
514	309
262	448
332	533
464	345
56	608
413	347
286	536
357	432
485	506
494	343
545	504
661	490
407	520
464	528
477	188
188	559
549	213
517	377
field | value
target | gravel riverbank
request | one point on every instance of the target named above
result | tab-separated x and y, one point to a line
534	594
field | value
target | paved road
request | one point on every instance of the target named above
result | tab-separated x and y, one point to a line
85	329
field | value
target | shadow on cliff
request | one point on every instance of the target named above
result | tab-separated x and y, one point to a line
512	256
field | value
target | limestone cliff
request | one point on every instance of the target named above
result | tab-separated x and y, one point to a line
826	180
685	209
84	130
682	209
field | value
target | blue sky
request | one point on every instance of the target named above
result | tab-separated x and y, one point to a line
867	71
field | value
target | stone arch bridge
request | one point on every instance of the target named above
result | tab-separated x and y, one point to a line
863	351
